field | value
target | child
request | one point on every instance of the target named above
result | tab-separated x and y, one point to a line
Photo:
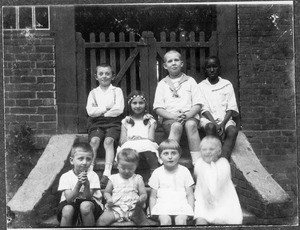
177	102
80	189
171	187
219	105
124	192
105	104
138	130
216	199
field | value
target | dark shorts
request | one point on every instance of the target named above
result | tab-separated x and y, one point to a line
76	205
102	133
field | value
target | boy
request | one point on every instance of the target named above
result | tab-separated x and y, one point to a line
177	101
219	106
105	105
80	189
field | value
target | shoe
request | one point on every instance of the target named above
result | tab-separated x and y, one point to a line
103	181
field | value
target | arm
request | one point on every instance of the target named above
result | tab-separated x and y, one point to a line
87	192
118	107
151	132
72	194
152	199
142	192
123	135
193	111
165	114
190	196
92	108
107	194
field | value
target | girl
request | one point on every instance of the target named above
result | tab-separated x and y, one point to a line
125	192
171	187
216	199
138	130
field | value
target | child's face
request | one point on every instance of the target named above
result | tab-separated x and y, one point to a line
138	106
126	169
170	158
81	160
212	69
209	152
104	76
173	63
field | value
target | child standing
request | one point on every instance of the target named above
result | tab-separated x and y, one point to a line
138	130
177	101
216	199
219	105
105	105
171	187
125	191
80	188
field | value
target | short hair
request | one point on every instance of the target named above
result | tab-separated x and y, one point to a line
213	140
86	147
169	144
128	155
172	51
105	65
212	57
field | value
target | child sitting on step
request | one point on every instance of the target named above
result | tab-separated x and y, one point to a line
105	104
216	201
138	130
125	193
177	102
81	196
172	197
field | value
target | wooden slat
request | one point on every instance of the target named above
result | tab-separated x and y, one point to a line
192	54
93	63
183	51
81	86
112	52
175	44
144	63
122	61
202	55
133	77
161	52
113	45
152	71
213	44
102	51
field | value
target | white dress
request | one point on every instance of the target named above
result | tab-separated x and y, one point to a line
139	129
171	191
216	199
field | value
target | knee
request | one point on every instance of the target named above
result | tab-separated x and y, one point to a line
191	126
165	220
86	208
67	212
210	129
176	126
231	132
108	141
180	220
95	142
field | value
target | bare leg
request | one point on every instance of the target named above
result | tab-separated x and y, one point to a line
180	220
67	216
176	131
165	220
193	137
109	155
86	210
107	218
95	142
230	138
201	221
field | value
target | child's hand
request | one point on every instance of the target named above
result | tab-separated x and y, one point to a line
108	107
82	177
109	202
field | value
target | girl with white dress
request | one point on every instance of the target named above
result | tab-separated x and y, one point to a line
138	130
171	197
216	200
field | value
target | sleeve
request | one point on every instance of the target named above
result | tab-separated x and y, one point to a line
232	105
196	96
159	101
118	107
224	172
153	181
92	108
189	181
64	183
204	103
94	181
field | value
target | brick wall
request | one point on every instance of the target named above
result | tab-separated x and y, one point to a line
267	88
29	81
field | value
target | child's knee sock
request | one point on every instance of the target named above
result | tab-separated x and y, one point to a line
107	169
195	156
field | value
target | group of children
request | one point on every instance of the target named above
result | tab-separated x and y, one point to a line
182	106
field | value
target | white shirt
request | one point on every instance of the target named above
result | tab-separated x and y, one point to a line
99	99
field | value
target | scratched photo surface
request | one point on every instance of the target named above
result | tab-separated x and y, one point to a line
50	51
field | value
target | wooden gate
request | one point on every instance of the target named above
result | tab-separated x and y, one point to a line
137	60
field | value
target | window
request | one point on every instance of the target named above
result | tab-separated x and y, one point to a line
24	17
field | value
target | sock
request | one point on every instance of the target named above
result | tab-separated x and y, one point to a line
107	169
195	156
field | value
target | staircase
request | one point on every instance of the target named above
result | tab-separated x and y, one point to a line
263	200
